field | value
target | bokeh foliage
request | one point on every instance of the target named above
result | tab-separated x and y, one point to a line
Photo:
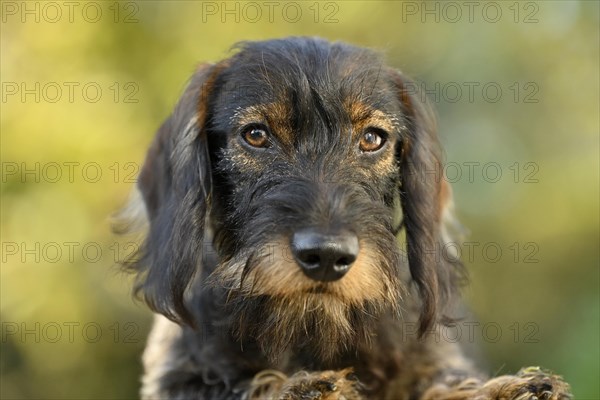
70	296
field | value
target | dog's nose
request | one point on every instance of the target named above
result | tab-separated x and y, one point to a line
324	256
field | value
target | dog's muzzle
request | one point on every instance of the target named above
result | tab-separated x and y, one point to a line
324	255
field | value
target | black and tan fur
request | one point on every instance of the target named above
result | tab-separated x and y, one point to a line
239	319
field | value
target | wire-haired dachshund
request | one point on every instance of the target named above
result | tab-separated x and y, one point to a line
294	214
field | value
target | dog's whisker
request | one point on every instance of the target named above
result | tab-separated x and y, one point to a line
398	229
245	270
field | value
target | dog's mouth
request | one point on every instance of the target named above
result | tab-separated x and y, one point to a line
319	289
323	293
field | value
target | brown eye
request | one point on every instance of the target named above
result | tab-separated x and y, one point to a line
256	136
371	140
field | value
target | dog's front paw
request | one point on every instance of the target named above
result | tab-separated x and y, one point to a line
530	383
327	385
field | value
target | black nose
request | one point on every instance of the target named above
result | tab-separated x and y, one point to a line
324	256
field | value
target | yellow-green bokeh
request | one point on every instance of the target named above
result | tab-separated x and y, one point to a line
69	326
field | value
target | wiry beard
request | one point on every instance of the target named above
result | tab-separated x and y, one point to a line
318	324
274	305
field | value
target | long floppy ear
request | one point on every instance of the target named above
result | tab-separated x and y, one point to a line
175	183
426	201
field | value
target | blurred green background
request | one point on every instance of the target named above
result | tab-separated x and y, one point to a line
85	85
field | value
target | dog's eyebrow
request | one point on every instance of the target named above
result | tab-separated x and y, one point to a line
248	115
276	115
360	112
363	115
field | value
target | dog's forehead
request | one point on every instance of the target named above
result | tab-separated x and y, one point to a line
306	84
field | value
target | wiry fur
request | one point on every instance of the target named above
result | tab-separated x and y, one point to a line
247	323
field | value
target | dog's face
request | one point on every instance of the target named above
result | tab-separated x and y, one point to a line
295	153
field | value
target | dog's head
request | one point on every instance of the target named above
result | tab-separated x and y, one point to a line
298	156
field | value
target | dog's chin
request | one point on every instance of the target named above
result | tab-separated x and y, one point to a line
317	323
321	289
273	304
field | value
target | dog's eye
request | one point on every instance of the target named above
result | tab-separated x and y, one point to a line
372	140
256	136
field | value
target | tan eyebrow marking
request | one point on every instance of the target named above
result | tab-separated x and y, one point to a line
362	116
276	115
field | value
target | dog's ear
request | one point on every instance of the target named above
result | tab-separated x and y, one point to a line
175	183
426	201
